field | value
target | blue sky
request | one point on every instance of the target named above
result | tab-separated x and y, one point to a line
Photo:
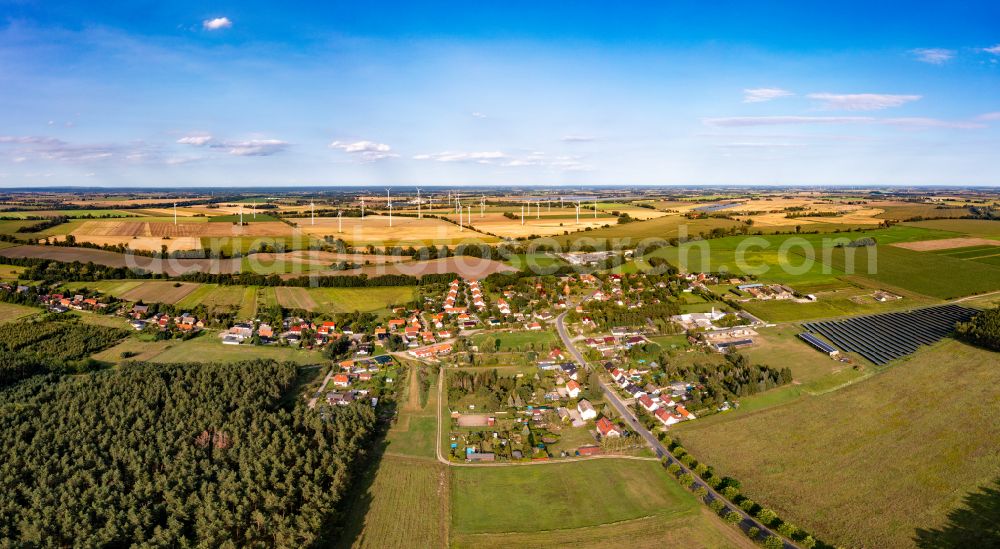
555	93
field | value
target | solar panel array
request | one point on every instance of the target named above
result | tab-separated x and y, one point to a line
888	336
817	342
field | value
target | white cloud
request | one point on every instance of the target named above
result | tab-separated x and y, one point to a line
196	140
577	138
861	101
217	23
995	50
498	158
989	116
253	147
934	56
759	95
368	150
486	157
914	122
478	114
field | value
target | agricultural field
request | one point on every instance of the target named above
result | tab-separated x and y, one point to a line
161	291
546	505
534	260
69	213
10	312
172	266
405	231
405	505
894	442
346	300
666	227
294	298
972	227
151	235
219	297
934	275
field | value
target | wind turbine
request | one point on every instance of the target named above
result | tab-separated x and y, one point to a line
253	208
538	210
312	208
390	214
362	207
241	215
175	214
595	209
522	214
387	201
578	212
460	226
482	207
470	216
340	222
561	205
420	214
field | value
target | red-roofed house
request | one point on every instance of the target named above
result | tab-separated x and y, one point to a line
341	380
573	389
607	429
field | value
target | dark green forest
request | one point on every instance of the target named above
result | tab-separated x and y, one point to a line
983	329
173	455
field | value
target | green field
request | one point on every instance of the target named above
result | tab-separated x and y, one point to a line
209	348
921	272
345	300
70	213
972	227
541	341
215	296
662	227
910	442
404	505
537	260
843	300
589	503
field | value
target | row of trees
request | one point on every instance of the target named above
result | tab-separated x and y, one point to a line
178	455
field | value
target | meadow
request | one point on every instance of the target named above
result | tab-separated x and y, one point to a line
594	502
540	341
10	312
843	297
209	348
896	442
973	227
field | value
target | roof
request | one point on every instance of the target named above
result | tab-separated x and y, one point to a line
605	426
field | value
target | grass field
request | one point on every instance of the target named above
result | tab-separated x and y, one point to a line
161	291
541	341
214	296
843	300
546	505
10	272
294	298
10	312
406	505
209	348
909	442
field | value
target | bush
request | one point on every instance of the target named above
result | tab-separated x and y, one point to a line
774	542
730	492
717	505
673	468
753	533
734	517
747	505
701	492
787	529
767	516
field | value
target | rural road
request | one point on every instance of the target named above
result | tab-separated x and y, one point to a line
612	396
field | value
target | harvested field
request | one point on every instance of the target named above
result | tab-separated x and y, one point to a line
405	231
172	267
145	243
947	243
549	223
295	298
183	229
345	300
160	291
971	227
466	267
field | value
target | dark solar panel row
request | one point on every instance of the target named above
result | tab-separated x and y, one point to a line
888	336
817	342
